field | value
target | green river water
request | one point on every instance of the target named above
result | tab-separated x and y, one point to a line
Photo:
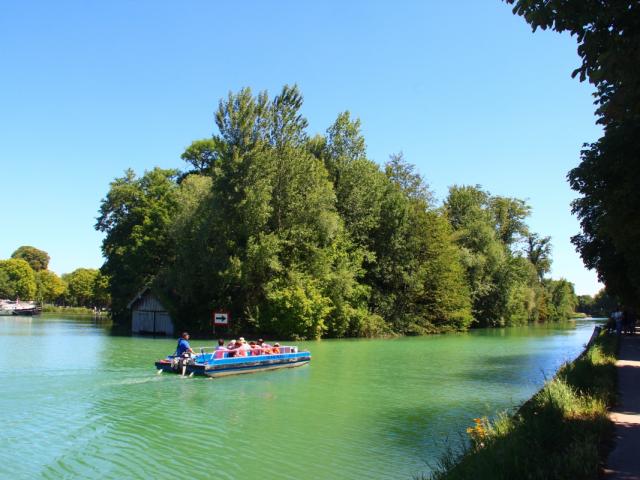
77	402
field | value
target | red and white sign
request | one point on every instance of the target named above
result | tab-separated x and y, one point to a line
221	318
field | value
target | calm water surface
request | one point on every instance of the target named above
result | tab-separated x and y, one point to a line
79	403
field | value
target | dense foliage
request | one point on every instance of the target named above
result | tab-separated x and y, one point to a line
608	35
37	259
25	276
599	305
17	279
305	237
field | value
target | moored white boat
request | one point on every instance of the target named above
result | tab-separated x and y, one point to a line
11	307
7	307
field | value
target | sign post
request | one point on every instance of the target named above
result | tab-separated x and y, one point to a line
220	319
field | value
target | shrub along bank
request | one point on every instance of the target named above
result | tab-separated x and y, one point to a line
48	308
560	433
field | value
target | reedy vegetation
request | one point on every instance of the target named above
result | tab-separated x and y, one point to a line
306	237
560	433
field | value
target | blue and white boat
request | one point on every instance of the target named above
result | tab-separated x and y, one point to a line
218	363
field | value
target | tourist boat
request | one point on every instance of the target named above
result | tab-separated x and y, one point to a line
218	363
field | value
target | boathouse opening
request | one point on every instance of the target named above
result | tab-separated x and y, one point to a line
148	315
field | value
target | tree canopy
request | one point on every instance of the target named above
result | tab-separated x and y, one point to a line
608	36
17	280
37	259
305	236
84	287
50	287
82	284
135	217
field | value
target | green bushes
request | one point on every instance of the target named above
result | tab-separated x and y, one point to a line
47	308
559	434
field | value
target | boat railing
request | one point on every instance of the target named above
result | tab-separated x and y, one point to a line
254	352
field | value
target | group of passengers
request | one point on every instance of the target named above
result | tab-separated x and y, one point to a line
240	348
235	348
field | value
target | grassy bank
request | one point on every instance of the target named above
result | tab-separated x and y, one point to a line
70	310
560	433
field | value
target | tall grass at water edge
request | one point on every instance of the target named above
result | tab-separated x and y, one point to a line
562	432
46	308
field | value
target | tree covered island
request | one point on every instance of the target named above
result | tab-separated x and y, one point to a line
304	236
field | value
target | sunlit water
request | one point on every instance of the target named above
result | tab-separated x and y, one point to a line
76	402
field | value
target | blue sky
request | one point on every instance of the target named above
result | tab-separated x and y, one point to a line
464	89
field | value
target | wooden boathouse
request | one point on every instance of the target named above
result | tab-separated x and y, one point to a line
148	315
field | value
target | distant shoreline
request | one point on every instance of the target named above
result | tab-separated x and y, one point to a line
52	309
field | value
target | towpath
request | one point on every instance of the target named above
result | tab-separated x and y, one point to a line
624	460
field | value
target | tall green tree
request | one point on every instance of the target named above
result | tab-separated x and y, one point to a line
562	299
81	286
37	259
538	252
504	288
509	218
266	229
17	280
416	277
135	217
404	175
609	202
202	155
50	287
358	183
101	291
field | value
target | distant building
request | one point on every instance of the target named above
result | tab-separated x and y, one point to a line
148	315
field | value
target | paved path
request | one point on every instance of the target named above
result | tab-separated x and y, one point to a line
624	461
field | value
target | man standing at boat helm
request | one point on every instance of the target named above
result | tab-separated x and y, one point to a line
184	351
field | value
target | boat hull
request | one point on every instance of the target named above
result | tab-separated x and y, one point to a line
238	366
27	312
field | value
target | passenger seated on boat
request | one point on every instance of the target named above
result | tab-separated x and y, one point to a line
266	348
231	348
242	348
220	350
276	348
236	349
255	349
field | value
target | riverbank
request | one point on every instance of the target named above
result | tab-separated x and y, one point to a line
563	431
